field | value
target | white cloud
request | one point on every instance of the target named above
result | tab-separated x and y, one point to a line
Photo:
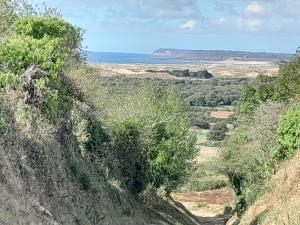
256	9
251	24
288	8
220	21
189	25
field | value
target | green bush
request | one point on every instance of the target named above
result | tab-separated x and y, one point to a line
47	42
129	152
247	167
8	79
50	43
263	89
218	131
289	78
288	133
201	124
207	184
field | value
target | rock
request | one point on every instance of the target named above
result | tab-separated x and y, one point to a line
31	74
32	93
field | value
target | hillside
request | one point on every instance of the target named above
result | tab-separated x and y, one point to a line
281	203
217	55
67	160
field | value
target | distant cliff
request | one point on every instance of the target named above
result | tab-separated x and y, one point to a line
217	55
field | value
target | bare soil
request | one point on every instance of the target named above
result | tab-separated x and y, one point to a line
208	206
222	68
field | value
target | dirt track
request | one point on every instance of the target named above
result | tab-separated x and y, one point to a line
208	206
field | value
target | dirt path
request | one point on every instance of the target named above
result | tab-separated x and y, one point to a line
208	206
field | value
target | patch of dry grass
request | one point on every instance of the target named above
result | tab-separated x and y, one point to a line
280	205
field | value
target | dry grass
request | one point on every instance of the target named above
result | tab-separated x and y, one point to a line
36	183
280	205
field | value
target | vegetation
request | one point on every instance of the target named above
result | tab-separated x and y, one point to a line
265	135
204	74
65	139
288	133
218	131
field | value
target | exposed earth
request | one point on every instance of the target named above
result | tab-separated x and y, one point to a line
222	68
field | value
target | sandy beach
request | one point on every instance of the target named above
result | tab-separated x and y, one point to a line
219	68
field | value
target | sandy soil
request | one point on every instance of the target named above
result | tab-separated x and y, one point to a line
208	206
222	68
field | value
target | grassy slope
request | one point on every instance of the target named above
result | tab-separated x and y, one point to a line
45	180
38	184
281	203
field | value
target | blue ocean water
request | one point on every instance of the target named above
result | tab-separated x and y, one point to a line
134	58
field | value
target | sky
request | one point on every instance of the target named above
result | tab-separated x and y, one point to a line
142	26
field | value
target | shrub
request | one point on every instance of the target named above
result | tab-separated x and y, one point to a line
201	124
50	43
288	133
289	78
8	79
263	89
247	157
218	131
247	168
47	42
128	151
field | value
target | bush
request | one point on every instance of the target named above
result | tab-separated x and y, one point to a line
201	124
8	79
288	133
47	42
247	168
129	153
207	184
263	89
147	130
289	78
218	131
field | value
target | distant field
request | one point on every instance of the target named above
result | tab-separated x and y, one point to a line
228	68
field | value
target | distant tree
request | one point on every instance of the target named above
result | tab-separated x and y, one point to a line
261	90
218	131
202	124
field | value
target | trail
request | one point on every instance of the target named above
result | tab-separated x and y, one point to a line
207	206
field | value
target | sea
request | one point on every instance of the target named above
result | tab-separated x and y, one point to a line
135	58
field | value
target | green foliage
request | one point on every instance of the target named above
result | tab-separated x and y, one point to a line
288	133
50	43
3	125
211	183
201	124
19	52
289	78
8	79
246	166
218	131
40	41
170	166
81	177
11	10
282	87
146	133
263	89
155	138
128	150
40	27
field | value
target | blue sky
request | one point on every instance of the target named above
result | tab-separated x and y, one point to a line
145	25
